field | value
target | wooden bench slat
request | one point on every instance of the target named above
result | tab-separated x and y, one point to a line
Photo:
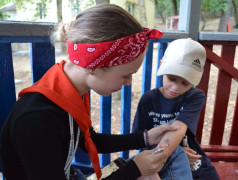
222	96
221	156
218	148
220	108
203	85
221	64
234	133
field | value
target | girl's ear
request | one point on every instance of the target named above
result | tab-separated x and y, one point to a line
91	71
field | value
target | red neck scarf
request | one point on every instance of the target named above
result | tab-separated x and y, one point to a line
56	86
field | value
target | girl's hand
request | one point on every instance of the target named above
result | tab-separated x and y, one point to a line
192	155
155	134
149	163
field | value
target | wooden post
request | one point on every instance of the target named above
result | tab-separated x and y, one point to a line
189	17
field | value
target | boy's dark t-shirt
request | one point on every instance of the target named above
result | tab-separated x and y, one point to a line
155	110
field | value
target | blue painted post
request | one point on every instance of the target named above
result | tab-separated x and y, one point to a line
81	159
189	17
147	69
105	124
42	58
7	85
125	114
161	49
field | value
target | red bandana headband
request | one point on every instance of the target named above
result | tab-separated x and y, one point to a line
111	53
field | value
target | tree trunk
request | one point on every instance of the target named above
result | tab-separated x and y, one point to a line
59	10
204	21
224	19
175	7
142	14
162	17
235	14
102	1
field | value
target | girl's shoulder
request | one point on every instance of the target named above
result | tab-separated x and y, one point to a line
41	109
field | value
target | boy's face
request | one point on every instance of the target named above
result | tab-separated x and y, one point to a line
174	86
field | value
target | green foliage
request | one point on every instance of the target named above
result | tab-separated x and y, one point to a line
88	3
83	4
40	7
21	3
3	16
215	5
165	7
78	6
236	3
5	2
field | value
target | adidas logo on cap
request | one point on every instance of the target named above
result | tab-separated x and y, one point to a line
197	63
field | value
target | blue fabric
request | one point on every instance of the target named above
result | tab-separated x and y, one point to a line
176	167
77	174
155	110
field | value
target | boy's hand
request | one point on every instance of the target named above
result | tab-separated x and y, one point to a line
192	155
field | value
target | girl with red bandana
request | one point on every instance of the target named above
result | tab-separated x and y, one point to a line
106	45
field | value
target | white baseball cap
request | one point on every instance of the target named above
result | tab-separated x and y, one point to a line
184	58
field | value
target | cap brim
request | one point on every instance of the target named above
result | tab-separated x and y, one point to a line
191	75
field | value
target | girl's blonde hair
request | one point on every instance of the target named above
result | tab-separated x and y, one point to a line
100	23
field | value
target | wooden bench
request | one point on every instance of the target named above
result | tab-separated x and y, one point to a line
224	157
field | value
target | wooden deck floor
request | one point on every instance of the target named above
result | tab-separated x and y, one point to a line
227	170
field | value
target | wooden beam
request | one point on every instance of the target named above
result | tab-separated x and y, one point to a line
221	64
218	36
218	148
13	28
221	156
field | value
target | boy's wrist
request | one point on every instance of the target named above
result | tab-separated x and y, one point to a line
146	138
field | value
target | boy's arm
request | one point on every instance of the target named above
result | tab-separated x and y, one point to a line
173	138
